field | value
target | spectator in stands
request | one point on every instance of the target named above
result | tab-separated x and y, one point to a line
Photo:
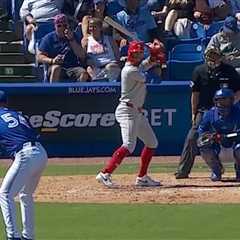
103	52
33	11
174	10
207	78
207	11
62	51
99	11
228	43
136	18
235	7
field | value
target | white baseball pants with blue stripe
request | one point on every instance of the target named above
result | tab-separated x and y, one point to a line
22	178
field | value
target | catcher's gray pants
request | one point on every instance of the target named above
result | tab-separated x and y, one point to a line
211	156
190	149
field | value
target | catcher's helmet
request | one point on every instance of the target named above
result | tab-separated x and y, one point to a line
223	100
135	47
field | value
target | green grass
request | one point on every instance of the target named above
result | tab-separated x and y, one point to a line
136	222
92	169
56	221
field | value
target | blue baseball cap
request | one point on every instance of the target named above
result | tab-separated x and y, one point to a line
231	25
3	97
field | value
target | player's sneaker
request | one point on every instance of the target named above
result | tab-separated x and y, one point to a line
105	178
146	181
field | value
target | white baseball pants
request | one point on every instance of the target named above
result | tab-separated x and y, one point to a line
134	125
22	178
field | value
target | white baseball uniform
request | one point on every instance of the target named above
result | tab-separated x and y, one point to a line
129	111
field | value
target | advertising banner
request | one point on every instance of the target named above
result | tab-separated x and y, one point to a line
79	120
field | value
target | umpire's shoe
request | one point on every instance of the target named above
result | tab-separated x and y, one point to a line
179	175
105	178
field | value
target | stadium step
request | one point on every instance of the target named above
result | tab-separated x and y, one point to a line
12	58
8	36
18	79
17	69
11	47
4	26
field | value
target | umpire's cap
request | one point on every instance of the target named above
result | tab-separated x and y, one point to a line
3	97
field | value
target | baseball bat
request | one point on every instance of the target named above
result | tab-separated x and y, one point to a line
120	28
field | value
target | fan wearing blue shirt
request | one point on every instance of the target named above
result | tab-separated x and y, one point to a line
19	141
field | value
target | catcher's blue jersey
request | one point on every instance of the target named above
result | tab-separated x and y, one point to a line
212	121
14	131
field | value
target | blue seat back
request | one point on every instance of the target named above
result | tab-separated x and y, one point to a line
181	70
214	28
187	52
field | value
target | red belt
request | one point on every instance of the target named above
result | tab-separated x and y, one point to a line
132	106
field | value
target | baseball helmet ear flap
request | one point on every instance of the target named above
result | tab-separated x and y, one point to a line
134	47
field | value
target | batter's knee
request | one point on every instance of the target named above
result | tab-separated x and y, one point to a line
129	146
153	144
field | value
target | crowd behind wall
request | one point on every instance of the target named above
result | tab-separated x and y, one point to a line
98	51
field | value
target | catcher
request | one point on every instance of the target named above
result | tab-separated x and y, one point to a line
219	131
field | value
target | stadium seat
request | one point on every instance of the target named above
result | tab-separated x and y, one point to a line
181	70
187	52
214	28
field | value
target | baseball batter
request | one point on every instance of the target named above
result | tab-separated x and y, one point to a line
19	141
131	119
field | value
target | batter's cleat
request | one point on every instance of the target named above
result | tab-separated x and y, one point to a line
23	238
146	181
105	178
13	238
216	177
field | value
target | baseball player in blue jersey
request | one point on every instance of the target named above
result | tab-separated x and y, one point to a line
19	141
218	131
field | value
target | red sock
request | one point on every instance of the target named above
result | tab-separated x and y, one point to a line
146	157
116	159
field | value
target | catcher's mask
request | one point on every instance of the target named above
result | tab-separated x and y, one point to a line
213	57
223	100
135	52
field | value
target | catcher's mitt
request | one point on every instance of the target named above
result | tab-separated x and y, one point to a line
207	139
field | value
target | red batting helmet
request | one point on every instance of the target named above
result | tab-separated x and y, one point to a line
134	47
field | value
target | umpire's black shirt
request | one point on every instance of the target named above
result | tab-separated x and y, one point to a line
207	81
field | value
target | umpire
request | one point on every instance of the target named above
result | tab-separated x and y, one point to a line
207	79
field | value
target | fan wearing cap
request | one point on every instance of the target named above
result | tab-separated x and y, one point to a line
207	78
227	42
19	141
133	123
222	119
61	50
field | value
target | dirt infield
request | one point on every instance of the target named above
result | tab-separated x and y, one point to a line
197	189
84	188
